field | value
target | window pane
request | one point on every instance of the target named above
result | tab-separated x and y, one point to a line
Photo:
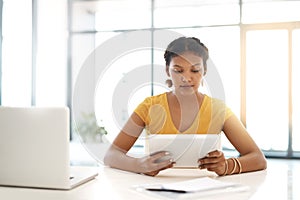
276	11
195	13
83	15
267	88
131	70
82	46
120	14
296	90
51	66
16	49
102	37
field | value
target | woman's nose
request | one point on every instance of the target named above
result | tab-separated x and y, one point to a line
186	77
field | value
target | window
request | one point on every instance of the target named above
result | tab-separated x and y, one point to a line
296	89
127	77
255	57
16	53
195	13
34	68
267	88
121	15
270	11
51	57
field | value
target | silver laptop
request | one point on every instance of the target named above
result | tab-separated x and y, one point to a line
34	149
185	149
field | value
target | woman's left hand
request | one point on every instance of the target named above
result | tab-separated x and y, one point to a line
214	161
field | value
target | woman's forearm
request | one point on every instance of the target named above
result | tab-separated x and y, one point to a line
246	163
115	158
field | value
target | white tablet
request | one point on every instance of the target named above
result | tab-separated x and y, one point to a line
185	149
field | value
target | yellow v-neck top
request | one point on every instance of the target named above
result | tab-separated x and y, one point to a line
155	112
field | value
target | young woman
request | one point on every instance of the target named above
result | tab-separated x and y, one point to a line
185	110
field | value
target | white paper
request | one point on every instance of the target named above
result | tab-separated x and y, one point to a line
199	184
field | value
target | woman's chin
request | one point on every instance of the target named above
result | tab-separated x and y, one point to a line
186	91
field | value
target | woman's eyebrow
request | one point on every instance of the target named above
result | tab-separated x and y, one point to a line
177	66
197	64
194	65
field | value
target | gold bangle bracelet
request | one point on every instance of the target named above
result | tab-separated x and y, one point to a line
234	166
240	165
226	168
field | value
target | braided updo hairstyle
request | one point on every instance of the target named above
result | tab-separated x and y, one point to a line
184	44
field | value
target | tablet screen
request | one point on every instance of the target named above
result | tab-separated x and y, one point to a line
185	149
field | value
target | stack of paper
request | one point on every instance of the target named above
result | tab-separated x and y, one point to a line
195	187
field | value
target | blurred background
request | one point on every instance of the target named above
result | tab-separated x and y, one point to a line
254	44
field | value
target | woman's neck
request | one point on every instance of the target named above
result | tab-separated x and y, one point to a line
188	99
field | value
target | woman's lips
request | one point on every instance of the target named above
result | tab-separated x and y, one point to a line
187	86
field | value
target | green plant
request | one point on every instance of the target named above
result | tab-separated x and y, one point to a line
89	130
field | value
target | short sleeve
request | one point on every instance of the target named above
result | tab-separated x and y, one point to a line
228	113
142	109
152	111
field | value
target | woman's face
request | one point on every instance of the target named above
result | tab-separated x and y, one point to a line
186	72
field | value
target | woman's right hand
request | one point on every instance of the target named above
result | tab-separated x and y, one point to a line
152	164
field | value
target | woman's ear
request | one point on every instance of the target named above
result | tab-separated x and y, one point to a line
169	83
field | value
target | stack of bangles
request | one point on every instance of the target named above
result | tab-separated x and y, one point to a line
236	163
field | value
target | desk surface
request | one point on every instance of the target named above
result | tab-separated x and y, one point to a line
277	182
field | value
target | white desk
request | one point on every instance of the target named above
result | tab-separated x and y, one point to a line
278	182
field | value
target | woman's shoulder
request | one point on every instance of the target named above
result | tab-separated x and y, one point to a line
213	100
150	101
156	98
218	106
213	103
